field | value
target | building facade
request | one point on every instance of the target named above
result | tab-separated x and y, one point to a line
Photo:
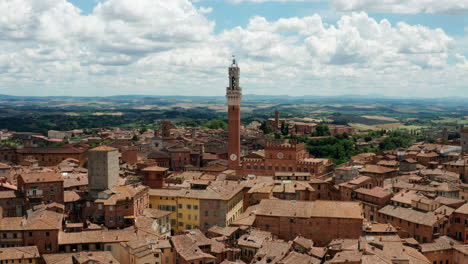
103	168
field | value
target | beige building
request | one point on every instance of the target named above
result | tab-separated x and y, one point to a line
103	168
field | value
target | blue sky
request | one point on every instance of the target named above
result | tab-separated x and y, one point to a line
316	47
228	14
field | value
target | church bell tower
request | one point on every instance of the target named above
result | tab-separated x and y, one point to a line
234	96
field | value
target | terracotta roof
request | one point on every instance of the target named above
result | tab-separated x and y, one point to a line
155	168
36	177
19	253
61	258
422	218
52	150
304	242
272	252
378	192
306	209
223	231
101	257
43	219
217	190
441	243
462	209
8	185
155	213
187	246
74	179
254	239
349	256
298	258
121	193
96	236
103	148
376	169
71	196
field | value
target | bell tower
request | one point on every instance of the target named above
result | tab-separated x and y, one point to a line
234	96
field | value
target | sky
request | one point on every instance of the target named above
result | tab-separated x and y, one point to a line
404	48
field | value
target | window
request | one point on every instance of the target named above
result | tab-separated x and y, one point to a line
100	206
111	219
188	227
48	246
181	224
180	215
180	206
30	234
206	213
189	206
195	207
47	233
111	208
121	219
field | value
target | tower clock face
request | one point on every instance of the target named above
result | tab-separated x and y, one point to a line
280	155
233	157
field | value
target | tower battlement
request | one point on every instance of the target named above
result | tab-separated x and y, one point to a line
282	144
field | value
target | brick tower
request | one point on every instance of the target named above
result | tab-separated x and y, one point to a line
233	96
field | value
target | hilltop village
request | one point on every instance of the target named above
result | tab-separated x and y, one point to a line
187	195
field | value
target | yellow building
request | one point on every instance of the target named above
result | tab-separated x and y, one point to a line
202	205
17	255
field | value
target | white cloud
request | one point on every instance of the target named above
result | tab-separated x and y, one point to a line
453	7
264	1
169	47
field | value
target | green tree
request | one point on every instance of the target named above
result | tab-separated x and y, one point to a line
263	126
216	124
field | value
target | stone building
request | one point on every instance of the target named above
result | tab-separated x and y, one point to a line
202	205
103	168
464	139
459	224
40	225
41	187
372	200
154	176
282	156
52	156
119	206
423	226
288	219
28	254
